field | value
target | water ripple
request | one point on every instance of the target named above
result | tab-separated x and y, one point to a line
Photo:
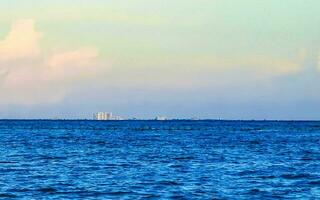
159	160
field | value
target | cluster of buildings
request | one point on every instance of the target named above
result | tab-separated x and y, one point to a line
105	116
160	118
109	116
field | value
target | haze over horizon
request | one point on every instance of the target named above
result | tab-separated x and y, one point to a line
227	59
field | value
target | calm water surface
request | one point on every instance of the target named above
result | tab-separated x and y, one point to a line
159	160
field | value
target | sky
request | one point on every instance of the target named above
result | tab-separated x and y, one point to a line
225	59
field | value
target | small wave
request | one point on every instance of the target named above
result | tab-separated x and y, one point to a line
22	190
254	191
255	142
7	162
119	193
52	158
176	166
172	183
102	143
315	183
267	177
48	190
306	158
6	195
246	172
177	197
295	176
151	196
184	158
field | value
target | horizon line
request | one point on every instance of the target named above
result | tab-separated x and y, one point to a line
152	119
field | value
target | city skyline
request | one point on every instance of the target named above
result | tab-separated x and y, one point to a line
180	59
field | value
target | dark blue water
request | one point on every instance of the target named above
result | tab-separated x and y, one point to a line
159	160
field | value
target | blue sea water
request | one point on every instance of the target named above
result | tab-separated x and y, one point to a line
159	160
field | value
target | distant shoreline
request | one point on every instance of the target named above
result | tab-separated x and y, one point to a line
167	120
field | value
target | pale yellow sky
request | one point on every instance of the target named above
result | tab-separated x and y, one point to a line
51	50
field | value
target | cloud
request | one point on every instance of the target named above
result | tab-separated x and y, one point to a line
72	64
29	76
21	42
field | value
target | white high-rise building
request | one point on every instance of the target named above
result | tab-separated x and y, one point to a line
103	116
161	118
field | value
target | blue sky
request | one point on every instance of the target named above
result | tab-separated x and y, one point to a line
243	59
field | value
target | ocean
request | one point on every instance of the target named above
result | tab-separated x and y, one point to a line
42	159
